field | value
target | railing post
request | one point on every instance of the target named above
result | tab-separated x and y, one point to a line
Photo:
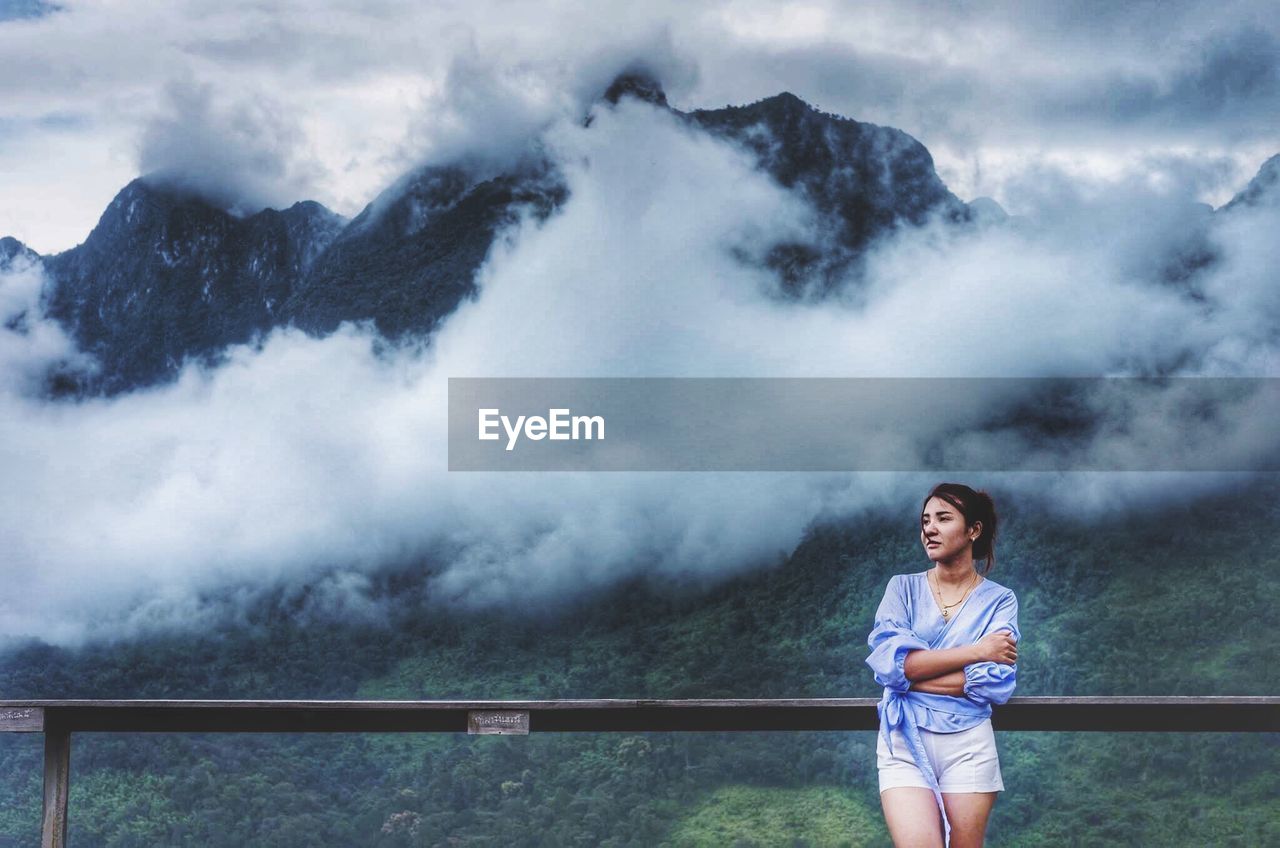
57	773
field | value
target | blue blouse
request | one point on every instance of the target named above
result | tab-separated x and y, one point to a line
909	619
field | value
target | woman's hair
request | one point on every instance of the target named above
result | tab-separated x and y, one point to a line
975	507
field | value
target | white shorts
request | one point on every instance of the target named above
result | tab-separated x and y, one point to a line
963	762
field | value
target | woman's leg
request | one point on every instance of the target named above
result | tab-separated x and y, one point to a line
968	813
913	818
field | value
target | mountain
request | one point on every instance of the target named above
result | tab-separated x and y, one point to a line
1261	189
863	180
636	83
165	276
12	250
1196	251
408	259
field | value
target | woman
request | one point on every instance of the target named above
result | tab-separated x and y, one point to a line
944	647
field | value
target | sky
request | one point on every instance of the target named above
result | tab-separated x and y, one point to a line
318	461
332	101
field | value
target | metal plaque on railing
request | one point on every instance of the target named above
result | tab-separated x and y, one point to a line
502	722
21	719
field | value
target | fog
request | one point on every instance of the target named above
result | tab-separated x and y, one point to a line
323	460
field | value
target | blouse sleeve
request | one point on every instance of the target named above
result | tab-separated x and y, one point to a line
892	639
990	682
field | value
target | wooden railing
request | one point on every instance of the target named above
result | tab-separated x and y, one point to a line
57	720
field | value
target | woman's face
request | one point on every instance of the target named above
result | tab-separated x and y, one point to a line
943	532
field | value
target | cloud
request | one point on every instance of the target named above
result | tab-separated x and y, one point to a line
992	90
368	92
309	461
242	155
31	345
1238	73
492	115
1223	81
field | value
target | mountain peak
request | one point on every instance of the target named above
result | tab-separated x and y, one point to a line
787	100
166	276
138	190
12	249
157	187
985	210
639	83
1263	184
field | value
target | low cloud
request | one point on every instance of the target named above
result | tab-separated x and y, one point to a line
242	155
308	460
32	346
491	115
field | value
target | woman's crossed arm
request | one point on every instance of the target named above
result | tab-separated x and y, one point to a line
941	672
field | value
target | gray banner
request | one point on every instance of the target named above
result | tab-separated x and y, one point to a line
864	424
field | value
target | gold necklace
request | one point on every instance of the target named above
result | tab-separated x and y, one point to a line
946	608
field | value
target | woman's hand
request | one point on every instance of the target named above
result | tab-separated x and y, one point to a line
998	647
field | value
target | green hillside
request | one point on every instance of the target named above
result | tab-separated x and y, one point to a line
1172	601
